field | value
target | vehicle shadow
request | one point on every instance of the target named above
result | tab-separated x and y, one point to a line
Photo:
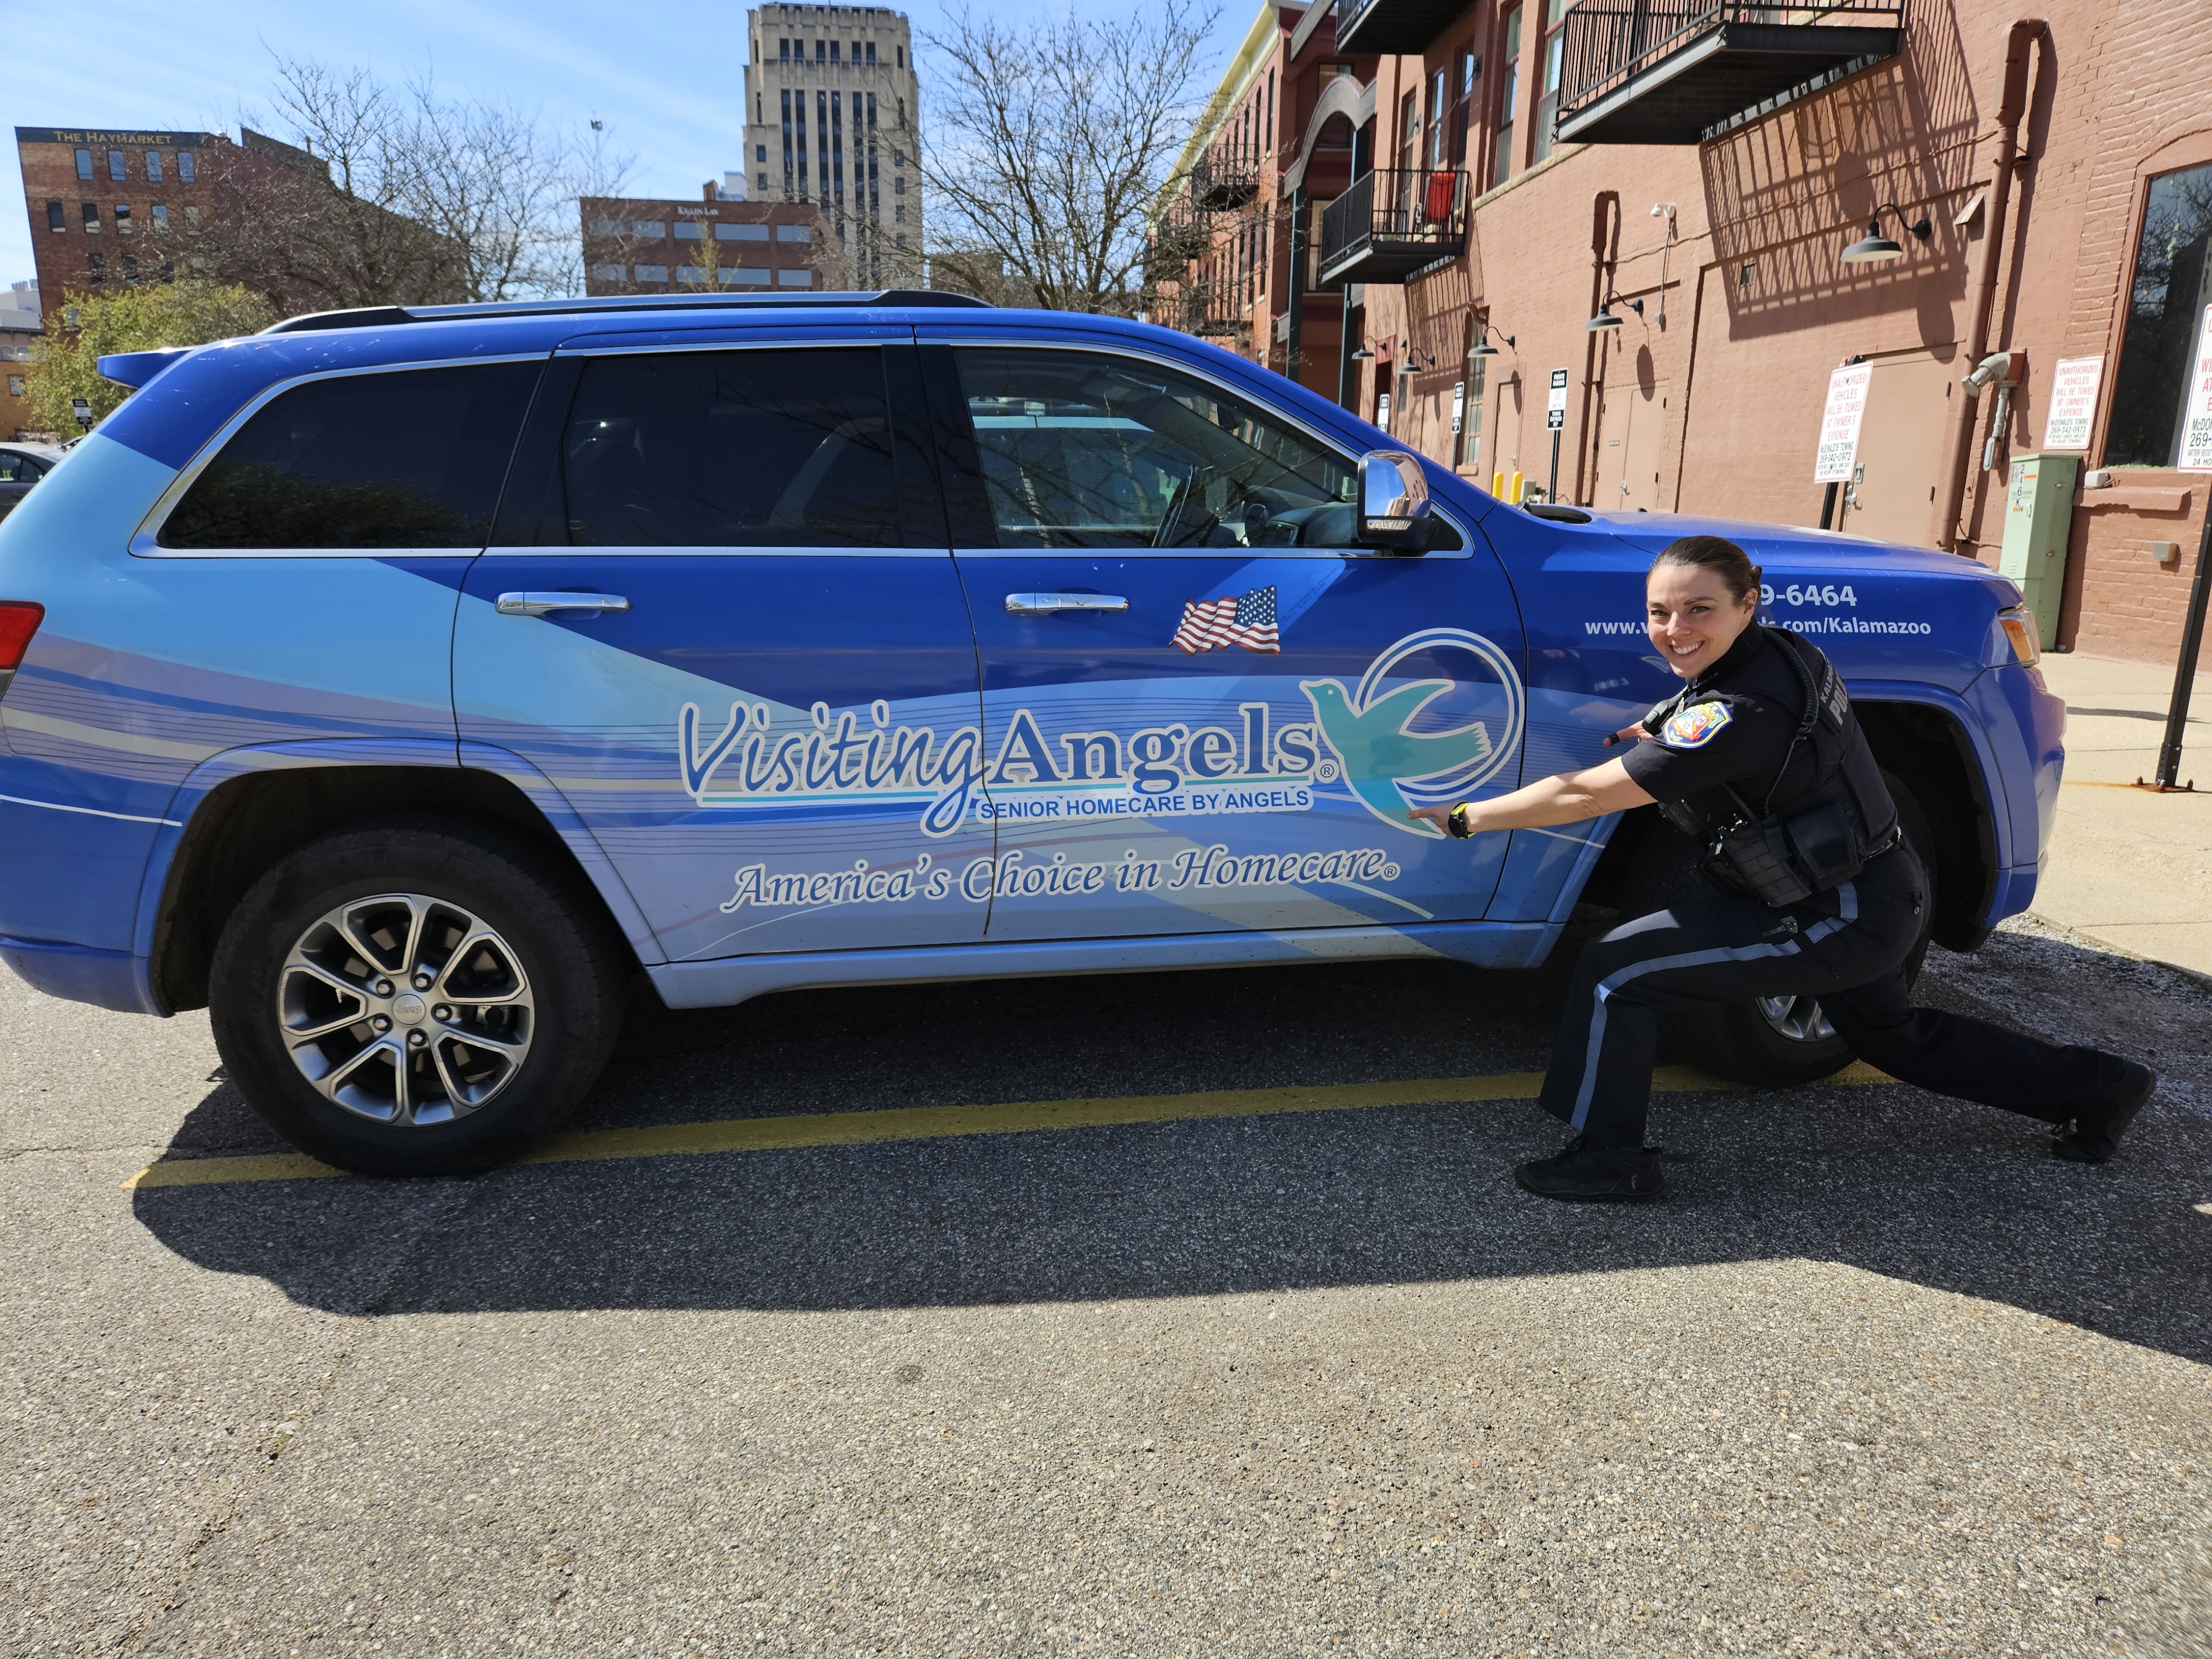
1882	1177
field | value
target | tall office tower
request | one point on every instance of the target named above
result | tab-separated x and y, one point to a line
832	108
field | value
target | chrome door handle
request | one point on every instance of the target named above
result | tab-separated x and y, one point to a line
1044	604
540	605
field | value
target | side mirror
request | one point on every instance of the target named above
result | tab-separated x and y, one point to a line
1393	502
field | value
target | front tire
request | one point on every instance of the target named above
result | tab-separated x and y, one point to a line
1772	1042
416	997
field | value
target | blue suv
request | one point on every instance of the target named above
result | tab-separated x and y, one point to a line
398	684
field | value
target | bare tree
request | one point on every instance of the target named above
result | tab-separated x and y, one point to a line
378	196
1049	141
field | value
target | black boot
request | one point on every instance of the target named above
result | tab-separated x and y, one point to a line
2093	1134
1595	1174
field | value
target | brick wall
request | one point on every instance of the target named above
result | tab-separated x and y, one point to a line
110	228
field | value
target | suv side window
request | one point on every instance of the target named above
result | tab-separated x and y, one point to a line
407	458
745	448
16	469
1087	450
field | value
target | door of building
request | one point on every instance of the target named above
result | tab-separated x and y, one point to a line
1631	425
1900	456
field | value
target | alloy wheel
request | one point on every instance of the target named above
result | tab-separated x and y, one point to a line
405	1010
1798	1019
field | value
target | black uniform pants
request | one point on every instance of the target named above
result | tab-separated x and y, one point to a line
1712	947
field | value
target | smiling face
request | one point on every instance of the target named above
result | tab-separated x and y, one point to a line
1691	617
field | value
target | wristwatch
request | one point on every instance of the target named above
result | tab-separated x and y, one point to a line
1457	824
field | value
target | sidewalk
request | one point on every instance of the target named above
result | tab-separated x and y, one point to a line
2128	867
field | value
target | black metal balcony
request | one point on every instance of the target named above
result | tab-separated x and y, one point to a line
1676	72
1221	185
1394	26
1392	222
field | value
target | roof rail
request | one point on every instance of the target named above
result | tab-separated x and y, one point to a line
391	316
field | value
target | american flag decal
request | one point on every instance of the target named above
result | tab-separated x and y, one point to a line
1217	624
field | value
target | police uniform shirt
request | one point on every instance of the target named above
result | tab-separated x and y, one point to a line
1731	726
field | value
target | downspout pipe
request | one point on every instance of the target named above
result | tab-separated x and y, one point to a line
1602	266
1950	534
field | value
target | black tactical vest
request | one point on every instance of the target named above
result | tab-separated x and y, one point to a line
1806	828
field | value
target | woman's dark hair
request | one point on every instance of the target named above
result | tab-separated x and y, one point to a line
1718	555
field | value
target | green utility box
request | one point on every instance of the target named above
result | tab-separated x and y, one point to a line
2039	519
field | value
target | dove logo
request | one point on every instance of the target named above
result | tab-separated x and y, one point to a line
1413	744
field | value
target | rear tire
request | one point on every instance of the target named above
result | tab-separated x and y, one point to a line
417	996
1769	1042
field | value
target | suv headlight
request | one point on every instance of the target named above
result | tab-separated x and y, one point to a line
2019	625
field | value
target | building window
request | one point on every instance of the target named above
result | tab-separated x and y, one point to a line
834	58
744	277
56	218
760	152
653	273
690	230
899	242
794	279
651	229
741	233
786	148
610	273
606	227
1437	90
901	63
1547	106
898	216
691	276
794	233
1409	133
161	215
783	49
115	172
84	164
184	166
763	184
152	166
821	51
1509	93
871	54
130	268
91	218
123	218
192	223
898	186
2166	307
95	268
14	386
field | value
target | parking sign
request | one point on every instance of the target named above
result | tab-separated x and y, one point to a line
1555	409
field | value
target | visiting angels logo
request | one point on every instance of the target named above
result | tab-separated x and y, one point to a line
1415	745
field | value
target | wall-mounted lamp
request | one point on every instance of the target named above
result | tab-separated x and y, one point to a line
1362	355
1605	319
1482	348
1874	248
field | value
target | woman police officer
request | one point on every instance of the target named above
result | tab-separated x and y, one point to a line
1810	890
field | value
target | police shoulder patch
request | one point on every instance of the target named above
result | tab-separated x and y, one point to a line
1695	726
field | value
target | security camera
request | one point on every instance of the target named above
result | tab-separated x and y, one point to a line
1999	368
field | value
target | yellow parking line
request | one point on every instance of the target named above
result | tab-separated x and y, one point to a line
769	1134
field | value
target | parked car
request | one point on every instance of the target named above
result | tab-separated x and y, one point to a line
22	466
401	684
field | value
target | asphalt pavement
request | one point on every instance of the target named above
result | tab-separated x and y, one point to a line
1881	1376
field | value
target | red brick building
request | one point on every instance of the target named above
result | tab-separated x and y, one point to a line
100	200
638	247
1697	171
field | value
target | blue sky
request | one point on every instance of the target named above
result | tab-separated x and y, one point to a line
666	79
